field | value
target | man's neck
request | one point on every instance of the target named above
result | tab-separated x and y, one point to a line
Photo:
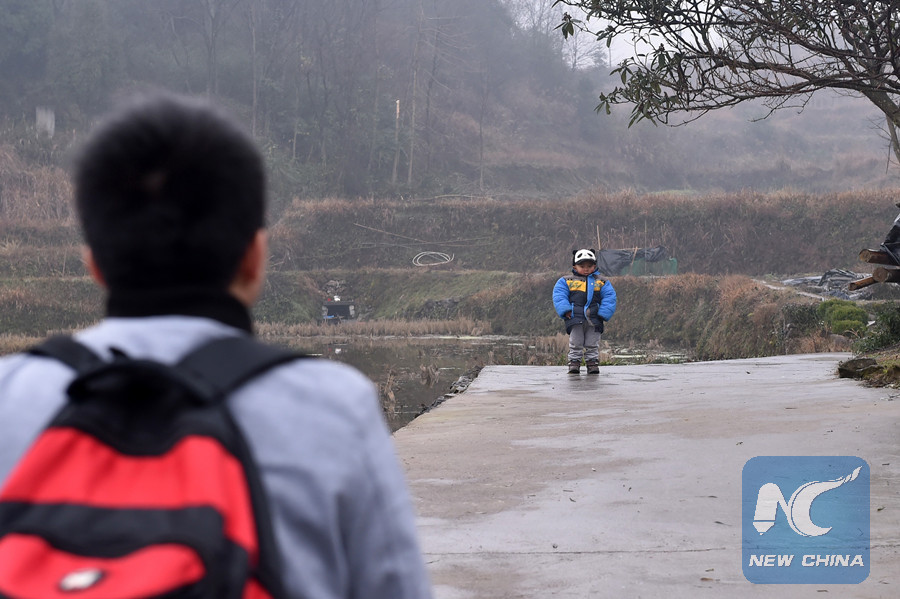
203	302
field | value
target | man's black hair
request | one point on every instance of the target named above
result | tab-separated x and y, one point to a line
170	193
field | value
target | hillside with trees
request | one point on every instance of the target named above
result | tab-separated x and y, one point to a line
401	98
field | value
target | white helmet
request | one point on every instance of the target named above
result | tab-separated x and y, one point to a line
584	256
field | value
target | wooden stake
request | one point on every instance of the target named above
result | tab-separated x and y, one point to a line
855	285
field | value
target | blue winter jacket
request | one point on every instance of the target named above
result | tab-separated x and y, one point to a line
589	298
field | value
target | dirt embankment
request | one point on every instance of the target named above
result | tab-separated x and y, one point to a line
744	233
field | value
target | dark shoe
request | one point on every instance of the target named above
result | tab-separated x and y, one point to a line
593	366
574	367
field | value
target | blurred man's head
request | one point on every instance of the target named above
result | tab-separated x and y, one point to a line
170	194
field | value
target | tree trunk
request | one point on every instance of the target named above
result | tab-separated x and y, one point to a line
373	143
484	99
210	35
396	144
892	114
432	78
895	142
253	68
412	107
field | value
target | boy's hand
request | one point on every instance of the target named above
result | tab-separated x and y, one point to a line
567	315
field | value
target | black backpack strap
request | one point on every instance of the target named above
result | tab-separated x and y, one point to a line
68	351
223	365
212	370
219	367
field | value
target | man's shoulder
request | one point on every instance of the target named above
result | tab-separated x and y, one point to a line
32	389
12	361
314	388
327	373
13	365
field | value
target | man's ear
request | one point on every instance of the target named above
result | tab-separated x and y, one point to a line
87	256
251	273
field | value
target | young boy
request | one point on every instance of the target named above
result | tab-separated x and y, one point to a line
585	301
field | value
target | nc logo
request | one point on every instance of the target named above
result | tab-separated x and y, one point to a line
826	536
797	508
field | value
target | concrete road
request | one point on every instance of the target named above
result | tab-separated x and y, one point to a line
535	483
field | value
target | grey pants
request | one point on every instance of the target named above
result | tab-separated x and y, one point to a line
584	341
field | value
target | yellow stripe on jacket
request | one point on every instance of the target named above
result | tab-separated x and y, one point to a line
581	284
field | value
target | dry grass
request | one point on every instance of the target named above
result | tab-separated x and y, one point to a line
32	193
10	344
551	343
717	317
379	328
735	290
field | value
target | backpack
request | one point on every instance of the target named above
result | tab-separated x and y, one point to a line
142	485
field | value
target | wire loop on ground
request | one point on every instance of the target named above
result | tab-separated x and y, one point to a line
431	258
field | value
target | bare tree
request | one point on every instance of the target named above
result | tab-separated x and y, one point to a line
707	54
184	21
539	19
414	94
216	14
253	28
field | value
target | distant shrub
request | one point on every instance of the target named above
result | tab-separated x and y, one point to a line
886	330
843	317
848	328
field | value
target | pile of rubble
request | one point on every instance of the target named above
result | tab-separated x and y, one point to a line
834	283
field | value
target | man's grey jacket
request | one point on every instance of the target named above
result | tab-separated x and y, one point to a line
339	502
